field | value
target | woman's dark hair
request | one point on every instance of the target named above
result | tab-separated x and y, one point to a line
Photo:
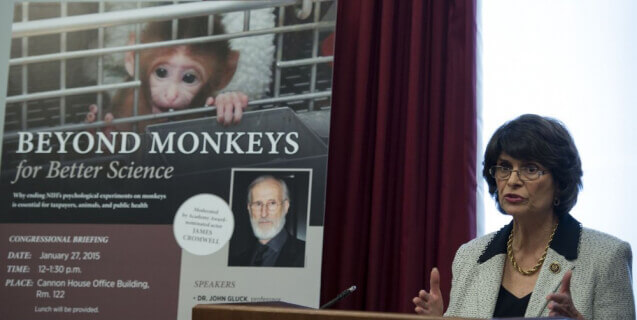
544	140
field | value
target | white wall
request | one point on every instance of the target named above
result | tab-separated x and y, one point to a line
575	60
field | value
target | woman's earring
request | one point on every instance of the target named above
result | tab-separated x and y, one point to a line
556	202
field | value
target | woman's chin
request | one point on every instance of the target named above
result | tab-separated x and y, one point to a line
514	211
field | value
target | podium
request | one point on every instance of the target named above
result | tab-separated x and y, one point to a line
285	311
278	312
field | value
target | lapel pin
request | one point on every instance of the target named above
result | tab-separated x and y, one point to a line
555	267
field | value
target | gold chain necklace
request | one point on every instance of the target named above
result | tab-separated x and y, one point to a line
539	263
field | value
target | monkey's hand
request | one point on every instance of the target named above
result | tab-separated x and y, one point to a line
230	106
91	117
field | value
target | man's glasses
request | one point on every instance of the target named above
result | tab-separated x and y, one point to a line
529	173
270	205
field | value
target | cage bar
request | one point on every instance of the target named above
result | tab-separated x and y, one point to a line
144	46
148	14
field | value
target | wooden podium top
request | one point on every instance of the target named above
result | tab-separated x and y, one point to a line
263	312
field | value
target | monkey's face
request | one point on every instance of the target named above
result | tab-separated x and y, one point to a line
174	81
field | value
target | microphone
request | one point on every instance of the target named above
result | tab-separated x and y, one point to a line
339	297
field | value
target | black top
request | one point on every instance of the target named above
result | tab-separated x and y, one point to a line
284	250
267	254
509	305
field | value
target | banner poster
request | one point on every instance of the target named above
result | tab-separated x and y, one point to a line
123	196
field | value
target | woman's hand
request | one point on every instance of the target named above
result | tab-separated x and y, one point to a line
561	304
430	303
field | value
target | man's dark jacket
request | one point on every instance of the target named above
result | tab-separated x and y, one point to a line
292	254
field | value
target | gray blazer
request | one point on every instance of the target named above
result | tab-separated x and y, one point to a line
601	285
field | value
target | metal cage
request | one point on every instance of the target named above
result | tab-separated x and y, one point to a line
51	42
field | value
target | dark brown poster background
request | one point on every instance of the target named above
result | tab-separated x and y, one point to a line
129	275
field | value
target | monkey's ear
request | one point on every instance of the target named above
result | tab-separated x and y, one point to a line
231	68
129	58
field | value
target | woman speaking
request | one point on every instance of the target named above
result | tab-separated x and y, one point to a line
543	263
